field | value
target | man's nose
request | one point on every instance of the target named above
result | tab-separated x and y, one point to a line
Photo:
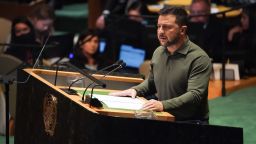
160	29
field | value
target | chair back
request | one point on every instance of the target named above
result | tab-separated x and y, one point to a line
8	66
5	30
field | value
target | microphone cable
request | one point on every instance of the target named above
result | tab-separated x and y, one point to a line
119	62
36	62
119	67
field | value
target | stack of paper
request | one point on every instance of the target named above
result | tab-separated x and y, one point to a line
120	102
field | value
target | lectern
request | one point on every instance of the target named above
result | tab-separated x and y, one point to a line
46	114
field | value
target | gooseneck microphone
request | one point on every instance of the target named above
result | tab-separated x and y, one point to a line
117	63
86	74
70	91
37	60
57	70
27	45
56	75
94	101
121	65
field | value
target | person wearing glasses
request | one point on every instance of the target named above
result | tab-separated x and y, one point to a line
207	27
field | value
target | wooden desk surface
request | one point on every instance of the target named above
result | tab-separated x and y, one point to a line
186	3
215	86
163	116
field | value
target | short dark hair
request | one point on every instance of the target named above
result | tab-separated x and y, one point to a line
179	12
43	12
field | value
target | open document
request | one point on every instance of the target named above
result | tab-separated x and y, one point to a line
120	102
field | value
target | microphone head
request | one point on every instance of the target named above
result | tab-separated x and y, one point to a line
123	65
119	62
103	85
66	63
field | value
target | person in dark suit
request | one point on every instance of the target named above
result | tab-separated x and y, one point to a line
122	7
208	31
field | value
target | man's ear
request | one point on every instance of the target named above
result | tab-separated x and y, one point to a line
183	29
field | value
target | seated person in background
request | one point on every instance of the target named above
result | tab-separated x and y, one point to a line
240	40
42	19
125	26
242	28
121	7
209	34
86	51
134	11
24	45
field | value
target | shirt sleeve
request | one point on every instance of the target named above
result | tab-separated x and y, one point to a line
147	87
197	89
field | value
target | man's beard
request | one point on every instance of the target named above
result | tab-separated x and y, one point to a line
172	42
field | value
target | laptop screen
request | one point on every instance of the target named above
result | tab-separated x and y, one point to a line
102	46
133	57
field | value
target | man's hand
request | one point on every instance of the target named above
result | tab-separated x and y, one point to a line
153	105
129	92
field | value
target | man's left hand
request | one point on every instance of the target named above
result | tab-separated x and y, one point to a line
153	105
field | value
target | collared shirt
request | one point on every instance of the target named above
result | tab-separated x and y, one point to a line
180	81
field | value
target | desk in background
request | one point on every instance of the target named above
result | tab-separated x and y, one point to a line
186	3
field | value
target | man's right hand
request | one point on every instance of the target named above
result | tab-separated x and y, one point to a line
129	92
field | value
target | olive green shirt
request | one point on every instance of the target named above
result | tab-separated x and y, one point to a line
180	81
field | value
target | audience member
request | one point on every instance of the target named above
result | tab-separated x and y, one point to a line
86	51
240	41
135	10
200	11
42	18
208	33
123	7
23	43
243	27
124	25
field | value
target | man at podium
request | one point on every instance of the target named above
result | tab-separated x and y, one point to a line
180	72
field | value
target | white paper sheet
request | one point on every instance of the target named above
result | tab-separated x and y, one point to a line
120	102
